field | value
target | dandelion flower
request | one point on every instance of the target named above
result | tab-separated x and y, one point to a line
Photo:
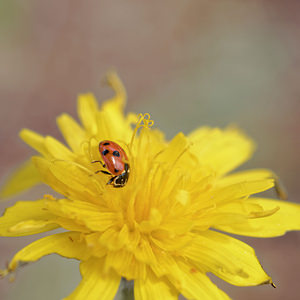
162	229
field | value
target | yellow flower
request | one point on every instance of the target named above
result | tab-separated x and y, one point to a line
158	229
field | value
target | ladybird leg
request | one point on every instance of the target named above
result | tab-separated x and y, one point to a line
99	161
111	180
102	171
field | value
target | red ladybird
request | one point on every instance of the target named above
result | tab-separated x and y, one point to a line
115	161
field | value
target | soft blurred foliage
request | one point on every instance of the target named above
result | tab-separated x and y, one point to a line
187	63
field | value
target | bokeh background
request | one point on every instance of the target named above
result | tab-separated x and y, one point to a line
187	63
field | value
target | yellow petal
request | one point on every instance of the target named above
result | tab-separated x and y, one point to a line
43	166
237	212
256	174
25	177
116	84
111	121
223	150
72	132
32	225
247	175
241	189
34	140
125	264
67	244
167	242
71	225
173	159
287	218
189	281
87	111
75	176
47	146
113	239
70	179
144	252
95	284
174	151
26	218
228	258
193	284
92	241
130	238
84	213
57	150
166	265
153	222
154	288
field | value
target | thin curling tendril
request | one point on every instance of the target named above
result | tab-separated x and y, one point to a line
143	121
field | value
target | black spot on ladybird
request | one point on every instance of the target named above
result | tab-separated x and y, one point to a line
116	153
105	152
106	144
116	170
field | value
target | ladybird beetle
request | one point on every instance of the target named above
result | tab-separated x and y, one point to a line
115	161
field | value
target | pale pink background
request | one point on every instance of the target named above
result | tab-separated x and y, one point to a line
188	63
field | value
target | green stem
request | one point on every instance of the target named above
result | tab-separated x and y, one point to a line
125	291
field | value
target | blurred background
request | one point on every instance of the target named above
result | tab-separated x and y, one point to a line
187	63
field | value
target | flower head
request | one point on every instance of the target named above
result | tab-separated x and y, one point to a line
158	228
